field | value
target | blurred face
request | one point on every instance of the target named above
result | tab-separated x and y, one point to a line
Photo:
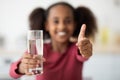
60	23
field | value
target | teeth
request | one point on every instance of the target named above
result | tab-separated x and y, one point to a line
61	33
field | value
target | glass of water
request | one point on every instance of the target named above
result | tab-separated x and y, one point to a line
35	46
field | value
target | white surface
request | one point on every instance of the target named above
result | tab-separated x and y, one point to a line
103	67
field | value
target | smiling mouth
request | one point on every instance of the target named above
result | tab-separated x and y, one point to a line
61	33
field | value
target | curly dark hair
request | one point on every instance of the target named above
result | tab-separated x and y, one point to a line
37	19
85	16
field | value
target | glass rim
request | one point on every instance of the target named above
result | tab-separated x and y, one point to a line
34	34
35	30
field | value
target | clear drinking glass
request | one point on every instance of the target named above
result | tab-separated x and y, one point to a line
35	46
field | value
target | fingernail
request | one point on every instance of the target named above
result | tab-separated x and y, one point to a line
44	59
32	73
37	65
76	44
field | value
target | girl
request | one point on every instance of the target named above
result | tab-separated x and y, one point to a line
63	60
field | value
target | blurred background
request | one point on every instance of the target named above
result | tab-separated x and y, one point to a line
105	62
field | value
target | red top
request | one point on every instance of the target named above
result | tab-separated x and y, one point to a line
58	66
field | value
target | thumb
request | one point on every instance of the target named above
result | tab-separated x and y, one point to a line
82	33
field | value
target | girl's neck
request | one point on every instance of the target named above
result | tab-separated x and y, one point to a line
59	47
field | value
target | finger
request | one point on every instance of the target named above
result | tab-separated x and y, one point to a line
27	56
26	69
30	61
27	72
24	60
32	66
43	59
86	51
86	54
86	44
82	31
33	62
86	47
39	57
25	66
83	42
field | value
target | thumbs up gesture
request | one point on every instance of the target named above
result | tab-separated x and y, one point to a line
84	44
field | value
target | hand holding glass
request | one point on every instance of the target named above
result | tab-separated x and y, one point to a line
35	46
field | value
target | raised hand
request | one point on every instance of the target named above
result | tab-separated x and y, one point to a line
84	44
